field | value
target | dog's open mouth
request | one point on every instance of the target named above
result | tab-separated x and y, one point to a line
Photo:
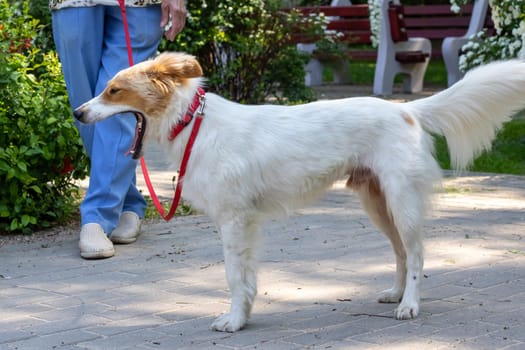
136	147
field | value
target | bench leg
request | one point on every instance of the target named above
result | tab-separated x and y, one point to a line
413	82
384	79
313	73
313	70
450	50
341	72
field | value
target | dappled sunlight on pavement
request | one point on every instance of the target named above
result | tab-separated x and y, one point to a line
321	271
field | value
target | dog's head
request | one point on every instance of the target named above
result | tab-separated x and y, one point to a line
146	89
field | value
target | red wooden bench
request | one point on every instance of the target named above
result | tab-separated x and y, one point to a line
433	22
411	34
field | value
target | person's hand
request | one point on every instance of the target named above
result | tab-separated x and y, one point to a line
176	9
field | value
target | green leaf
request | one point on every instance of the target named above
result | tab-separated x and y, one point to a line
22	166
36	189
26	219
51	120
14	225
4	210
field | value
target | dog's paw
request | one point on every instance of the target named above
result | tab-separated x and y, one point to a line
391	295
228	323
406	311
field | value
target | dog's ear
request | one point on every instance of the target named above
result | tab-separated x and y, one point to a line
177	65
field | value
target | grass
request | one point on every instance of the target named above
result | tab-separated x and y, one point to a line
507	155
362	73
152	213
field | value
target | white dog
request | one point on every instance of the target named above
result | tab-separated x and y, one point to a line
253	162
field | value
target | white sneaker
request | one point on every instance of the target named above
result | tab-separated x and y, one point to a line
127	230
94	243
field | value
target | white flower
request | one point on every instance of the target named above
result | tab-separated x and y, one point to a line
374	10
509	21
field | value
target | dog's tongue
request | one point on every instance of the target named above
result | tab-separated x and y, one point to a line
136	147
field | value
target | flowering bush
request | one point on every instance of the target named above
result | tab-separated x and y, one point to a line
508	42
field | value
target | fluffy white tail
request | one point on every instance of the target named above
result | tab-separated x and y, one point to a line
470	112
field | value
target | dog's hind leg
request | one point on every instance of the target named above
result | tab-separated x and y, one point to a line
240	242
398	211
408	210
373	201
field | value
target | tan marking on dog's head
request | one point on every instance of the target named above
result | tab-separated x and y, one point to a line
149	86
408	119
178	66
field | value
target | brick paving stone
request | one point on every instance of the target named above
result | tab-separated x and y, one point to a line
69	338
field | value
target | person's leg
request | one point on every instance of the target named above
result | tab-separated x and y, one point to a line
112	180
78	35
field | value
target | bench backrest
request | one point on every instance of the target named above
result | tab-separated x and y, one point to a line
351	21
433	21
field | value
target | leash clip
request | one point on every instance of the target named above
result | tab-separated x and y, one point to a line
202	104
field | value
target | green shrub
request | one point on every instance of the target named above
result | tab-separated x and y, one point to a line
39	9
245	51
38	140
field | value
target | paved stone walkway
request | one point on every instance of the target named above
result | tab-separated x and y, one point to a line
319	277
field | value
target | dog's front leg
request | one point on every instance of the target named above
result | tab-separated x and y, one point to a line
240	242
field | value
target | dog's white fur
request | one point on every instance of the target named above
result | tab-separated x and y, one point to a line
254	162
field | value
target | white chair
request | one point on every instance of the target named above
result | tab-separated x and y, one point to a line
389	58
451	46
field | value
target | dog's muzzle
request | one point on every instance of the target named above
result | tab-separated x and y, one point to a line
140	129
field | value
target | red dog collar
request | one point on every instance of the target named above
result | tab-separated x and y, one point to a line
196	108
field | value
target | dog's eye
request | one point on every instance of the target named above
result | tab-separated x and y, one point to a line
113	91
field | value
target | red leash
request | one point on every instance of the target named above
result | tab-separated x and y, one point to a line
195	110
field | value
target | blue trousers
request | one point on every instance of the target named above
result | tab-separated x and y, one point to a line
91	45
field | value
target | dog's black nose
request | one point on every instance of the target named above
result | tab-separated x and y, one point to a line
78	114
